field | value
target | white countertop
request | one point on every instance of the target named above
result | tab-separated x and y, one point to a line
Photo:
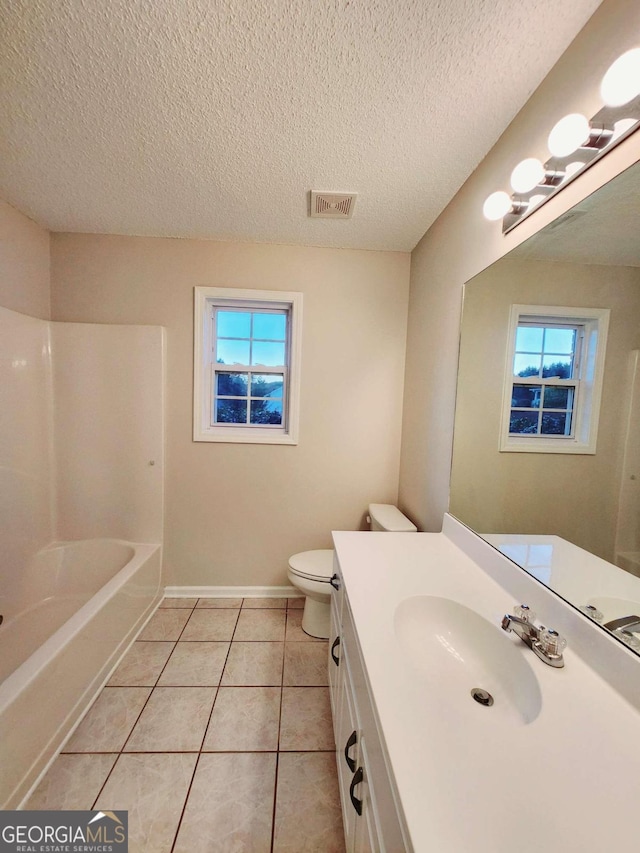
471	780
572	572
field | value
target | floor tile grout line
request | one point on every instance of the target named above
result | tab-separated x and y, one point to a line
309	641
210	686
186	800
281	693
108	776
275	795
175	643
121	752
166	663
204	737
206	728
204	752
275	783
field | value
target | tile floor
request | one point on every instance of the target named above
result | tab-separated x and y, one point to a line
214	732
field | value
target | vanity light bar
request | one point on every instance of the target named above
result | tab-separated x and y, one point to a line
575	142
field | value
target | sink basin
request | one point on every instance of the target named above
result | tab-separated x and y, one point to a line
456	650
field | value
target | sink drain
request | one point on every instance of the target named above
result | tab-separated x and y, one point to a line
482	697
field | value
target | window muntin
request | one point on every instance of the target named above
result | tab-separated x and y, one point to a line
553	381
247	351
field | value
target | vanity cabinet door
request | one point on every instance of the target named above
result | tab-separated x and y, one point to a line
358	803
335	647
347	753
367	838
379	804
334	665
337	589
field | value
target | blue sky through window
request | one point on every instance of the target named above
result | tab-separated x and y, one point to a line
234	324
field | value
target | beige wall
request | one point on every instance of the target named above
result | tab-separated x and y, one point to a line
572	496
461	244
234	513
24	264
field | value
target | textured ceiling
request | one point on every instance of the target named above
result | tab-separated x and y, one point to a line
213	118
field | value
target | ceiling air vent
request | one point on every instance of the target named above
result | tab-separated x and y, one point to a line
567	217
332	205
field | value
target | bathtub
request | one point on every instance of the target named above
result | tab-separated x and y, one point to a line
71	616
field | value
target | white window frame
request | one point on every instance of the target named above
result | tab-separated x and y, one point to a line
594	326
206	299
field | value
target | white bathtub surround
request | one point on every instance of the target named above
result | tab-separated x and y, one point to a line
82	422
42	700
457	766
108	392
81	458
26	449
627	544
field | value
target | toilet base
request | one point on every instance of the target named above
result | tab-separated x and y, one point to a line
316	618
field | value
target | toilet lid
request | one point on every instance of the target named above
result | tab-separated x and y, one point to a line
315	565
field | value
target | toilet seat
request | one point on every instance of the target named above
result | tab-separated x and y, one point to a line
313	565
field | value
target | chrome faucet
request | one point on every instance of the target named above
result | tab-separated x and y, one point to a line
546	643
520	625
631	624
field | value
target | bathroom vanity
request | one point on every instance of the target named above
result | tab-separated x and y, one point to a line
425	766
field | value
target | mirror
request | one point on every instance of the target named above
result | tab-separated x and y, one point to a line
537	506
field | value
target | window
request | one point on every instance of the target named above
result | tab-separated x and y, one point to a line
554	379
246	365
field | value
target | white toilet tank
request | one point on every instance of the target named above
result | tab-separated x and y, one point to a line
389	518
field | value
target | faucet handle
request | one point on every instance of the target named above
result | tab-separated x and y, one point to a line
551	642
592	612
524	612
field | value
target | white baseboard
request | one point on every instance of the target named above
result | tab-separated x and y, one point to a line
231	592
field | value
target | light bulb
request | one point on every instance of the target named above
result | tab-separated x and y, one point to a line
535	200
621	83
527	175
572	168
621	127
569	134
496	206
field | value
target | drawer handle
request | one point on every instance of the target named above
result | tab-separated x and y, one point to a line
351	762
335	582
357	778
336	643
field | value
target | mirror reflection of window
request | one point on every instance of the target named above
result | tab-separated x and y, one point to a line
549	356
553	382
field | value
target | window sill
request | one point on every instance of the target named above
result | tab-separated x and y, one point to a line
231	436
560	445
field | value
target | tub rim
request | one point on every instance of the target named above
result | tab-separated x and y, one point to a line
29	669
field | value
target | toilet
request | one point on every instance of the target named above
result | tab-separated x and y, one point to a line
311	571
